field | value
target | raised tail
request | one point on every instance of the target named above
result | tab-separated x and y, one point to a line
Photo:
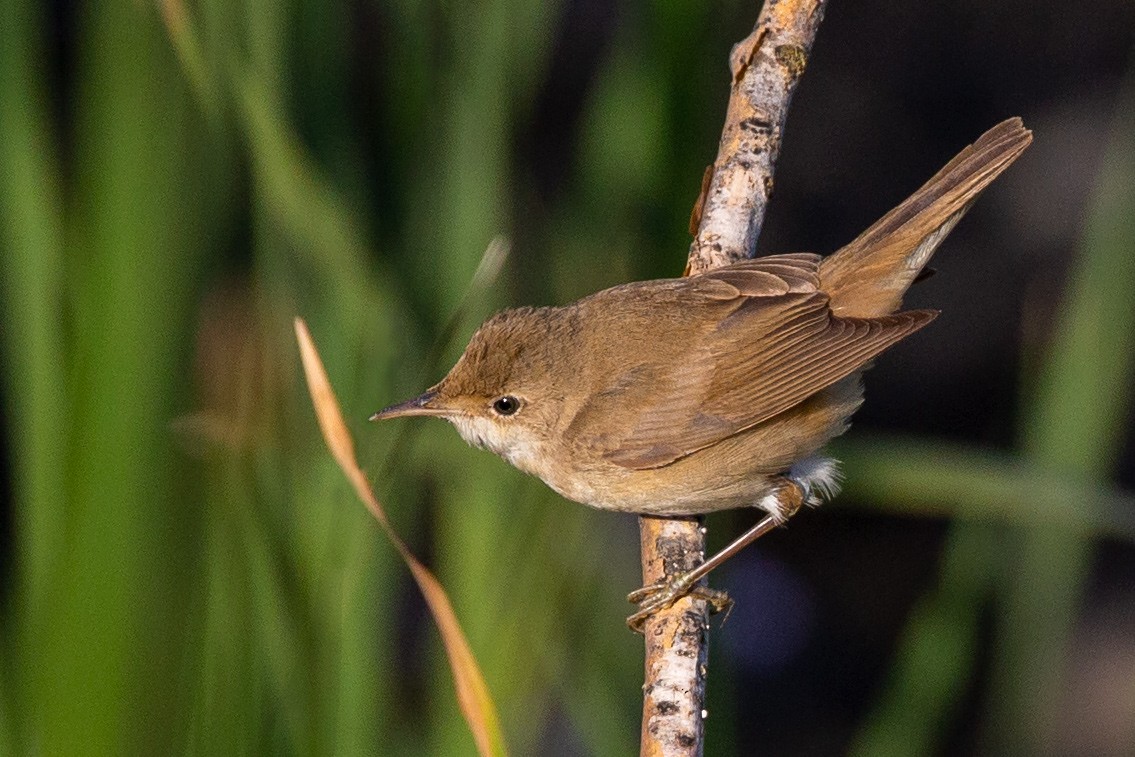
869	276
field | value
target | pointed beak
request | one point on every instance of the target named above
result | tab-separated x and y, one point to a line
417	406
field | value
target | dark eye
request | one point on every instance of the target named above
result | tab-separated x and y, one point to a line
506	405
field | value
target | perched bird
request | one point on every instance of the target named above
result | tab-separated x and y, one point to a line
715	391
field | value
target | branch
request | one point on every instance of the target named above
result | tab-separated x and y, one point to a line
766	66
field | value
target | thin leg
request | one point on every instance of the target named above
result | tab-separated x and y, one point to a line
661	595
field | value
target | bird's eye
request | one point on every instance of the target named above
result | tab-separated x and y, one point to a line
506	405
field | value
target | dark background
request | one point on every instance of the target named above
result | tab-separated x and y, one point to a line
185	570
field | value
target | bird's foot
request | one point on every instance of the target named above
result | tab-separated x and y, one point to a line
662	594
805	484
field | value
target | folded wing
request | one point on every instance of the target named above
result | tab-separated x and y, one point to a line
767	342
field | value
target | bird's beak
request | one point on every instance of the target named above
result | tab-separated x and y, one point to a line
421	405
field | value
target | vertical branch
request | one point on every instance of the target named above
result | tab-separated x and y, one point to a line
677	642
765	68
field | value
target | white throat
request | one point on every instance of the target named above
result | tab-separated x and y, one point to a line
513	442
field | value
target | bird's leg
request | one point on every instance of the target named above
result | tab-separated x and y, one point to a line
788	497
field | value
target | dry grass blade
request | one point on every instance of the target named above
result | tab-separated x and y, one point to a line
472	693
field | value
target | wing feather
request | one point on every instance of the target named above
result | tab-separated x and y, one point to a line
723	385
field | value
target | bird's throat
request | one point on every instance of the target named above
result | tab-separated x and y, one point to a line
513	442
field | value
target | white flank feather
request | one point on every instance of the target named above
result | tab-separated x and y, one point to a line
820	477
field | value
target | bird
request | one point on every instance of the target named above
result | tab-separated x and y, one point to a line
692	395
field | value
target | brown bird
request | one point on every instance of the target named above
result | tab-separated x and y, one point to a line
715	391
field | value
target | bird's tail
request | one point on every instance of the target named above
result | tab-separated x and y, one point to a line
869	276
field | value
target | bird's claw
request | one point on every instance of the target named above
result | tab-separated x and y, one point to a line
662	594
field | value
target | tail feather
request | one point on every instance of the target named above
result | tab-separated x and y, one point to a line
869	276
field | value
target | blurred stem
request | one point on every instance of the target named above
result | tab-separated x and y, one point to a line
283	186
935	653
33	350
927	478
468	208
475	138
186	43
297	208
1075	426
31	221
133	248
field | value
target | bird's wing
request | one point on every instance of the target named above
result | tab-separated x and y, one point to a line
722	385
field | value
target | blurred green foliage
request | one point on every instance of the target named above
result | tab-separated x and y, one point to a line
192	575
